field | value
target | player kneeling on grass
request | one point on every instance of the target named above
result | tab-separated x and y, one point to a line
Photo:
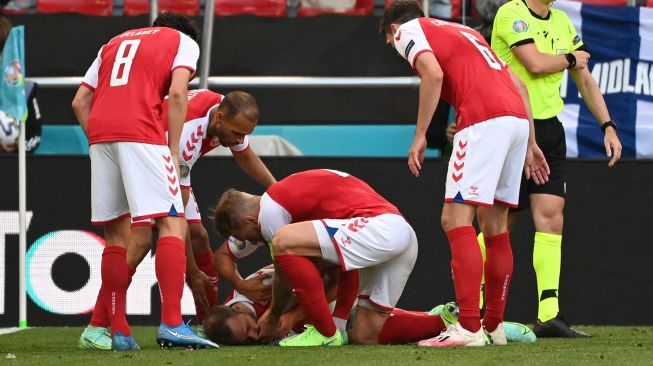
211	120
337	217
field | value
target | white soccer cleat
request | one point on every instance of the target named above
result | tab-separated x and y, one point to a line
456	336
498	336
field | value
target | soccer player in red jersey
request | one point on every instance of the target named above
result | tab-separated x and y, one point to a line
134	168
495	139
338	218
212	120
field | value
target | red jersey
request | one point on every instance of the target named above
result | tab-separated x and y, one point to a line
195	139
319	194
130	77
476	82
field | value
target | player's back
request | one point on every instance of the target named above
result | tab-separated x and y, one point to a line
134	72
475	81
328	194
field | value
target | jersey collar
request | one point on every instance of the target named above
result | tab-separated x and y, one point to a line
535	15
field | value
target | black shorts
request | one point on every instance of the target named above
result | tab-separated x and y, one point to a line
550	137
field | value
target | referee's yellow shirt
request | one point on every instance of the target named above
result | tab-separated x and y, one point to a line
515	24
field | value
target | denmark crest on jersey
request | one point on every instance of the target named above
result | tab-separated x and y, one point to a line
520	26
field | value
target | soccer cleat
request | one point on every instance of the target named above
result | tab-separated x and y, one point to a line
557	328
498	336
519	333
454	336
448	312
120	342
95	338
436	310
181	336
311	337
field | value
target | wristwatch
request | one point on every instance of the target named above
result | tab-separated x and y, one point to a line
607	124
571	59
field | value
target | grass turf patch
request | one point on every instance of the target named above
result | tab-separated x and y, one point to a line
58	346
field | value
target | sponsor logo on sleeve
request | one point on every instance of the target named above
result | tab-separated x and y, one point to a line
576	40
409	47
520	26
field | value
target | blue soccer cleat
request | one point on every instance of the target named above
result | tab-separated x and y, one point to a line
120	342
181	336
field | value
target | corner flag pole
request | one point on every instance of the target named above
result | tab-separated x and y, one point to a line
14	103
22	222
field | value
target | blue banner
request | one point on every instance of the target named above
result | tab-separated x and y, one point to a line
620	41
12	87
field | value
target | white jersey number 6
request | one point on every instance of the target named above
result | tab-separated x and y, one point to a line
487	54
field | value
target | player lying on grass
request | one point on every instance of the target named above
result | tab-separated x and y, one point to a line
235	322
212	120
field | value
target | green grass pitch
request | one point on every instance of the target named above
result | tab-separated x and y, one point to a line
58	346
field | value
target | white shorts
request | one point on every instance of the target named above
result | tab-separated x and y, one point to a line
382	248
487	162
191	212
131	178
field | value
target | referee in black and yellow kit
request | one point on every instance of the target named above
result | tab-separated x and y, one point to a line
538	43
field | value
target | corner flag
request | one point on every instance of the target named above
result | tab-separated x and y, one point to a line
12	66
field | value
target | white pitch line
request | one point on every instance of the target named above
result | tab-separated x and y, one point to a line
10	330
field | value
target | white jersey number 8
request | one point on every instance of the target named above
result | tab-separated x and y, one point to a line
487	54
125	60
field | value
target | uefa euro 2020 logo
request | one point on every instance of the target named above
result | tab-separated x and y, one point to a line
520	26
13	74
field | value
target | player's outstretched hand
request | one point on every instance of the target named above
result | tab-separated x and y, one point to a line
416	154
268	327
256	290
612	146
536	166
199	281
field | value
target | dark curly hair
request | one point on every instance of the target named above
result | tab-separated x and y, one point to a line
178	22
400	12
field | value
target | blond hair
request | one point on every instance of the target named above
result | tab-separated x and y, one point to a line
228	211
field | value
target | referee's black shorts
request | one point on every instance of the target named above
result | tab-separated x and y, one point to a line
550	137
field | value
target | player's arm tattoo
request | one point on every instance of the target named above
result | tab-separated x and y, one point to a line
281	294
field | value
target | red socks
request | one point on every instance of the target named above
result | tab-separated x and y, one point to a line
347	293
498	272
113	294
407	326
170	265
100	317
467	269
205	264
309	290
